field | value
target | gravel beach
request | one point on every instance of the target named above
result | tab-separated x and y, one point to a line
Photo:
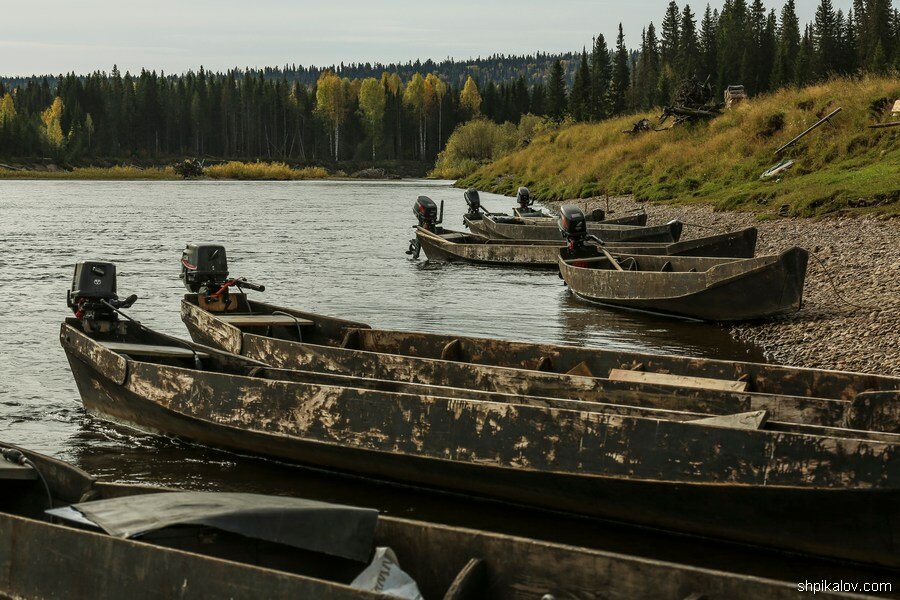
856	328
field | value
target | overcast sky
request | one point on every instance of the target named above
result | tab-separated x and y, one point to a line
54	36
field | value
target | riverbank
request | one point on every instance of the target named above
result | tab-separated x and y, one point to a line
844	166
856	328
236	170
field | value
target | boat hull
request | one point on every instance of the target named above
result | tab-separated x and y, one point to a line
537	369
522	230
465	447
543	254
736	291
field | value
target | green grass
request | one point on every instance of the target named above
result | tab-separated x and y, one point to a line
841	167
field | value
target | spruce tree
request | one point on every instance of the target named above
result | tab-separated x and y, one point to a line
647	70
708	64
788	48
556	92
621	76
601	73
826	38
580	98
688	56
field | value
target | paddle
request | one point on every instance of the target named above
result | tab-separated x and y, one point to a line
606	253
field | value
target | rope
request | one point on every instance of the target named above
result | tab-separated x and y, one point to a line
834	286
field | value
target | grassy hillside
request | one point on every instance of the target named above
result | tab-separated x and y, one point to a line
839	166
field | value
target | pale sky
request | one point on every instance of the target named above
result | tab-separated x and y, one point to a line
54	36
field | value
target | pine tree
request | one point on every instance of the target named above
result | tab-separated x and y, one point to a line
826	38
601	74
806	58
621	76
733	42
788	48
647	71
668	48
688	56
708	51
580	98
556	92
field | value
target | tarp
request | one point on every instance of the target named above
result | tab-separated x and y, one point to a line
333	529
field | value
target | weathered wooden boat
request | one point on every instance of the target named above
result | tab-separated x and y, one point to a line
710	478
448	245
708	289
525	209
514	228
199	561
295	339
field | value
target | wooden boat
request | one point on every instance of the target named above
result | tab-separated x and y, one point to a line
713	479
270	334
526	229
448	562
296	339
453	245
638	219
709	289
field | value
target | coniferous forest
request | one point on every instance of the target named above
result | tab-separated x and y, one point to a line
374	112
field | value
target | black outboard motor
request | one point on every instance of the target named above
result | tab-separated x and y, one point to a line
523	197
93	298
473	200
573	226
204	271
426	212
204	268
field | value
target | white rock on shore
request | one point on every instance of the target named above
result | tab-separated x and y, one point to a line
857	327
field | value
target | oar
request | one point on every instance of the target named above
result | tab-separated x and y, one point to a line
606	253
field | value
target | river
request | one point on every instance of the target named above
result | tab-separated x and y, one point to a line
331	247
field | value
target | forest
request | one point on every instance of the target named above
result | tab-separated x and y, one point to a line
374	112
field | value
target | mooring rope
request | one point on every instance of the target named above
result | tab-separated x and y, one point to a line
834	286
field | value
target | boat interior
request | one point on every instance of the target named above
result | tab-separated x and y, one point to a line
313	539
652	263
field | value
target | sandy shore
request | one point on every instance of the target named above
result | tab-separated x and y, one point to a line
862	255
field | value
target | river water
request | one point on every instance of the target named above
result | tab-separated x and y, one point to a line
331	247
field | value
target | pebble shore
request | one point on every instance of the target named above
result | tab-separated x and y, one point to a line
857	327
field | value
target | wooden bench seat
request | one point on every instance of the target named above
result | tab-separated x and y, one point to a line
704	383
264	321
151	350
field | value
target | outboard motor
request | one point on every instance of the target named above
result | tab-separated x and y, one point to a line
93	298
473	200
426	212
204	271
523	197
573	226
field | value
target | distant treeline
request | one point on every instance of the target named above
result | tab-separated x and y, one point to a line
406	112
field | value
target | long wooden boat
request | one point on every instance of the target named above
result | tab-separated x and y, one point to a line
294	339
710	479
256	331
709	289
637	219
453	245
446	562
527	229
